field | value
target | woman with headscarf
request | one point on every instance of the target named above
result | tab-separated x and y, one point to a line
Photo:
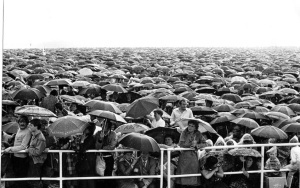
188	160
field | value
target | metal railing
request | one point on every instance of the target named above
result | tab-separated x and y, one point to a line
169	176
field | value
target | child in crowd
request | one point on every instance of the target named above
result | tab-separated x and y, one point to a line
273	163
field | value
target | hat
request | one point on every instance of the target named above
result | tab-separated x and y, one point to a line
294	139
273	150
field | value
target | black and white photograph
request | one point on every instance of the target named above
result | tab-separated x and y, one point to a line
150	94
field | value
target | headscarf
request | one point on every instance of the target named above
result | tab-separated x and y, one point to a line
246	137
294	140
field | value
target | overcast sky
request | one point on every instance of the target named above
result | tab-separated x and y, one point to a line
151	23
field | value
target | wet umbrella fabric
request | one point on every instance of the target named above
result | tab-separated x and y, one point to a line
269	132
140	142
292	127
159	134
67	126
108	115
32	110
131	127
247	122
102	105
142	107
26	94
244	152
11	127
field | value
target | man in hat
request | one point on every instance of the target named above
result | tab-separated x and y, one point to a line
294	165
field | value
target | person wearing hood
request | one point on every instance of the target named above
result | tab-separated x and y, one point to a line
246	139
294	165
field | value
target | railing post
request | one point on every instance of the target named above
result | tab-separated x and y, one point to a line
169	168
60	170
262	167
162	168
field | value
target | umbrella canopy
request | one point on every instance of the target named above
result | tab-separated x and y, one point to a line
292	127
67	126
269	132
11	127
244	152
203	126
159	134
277	115
171	98
114	87
142	107
108	115
72	99
59	82
32	110
43	89
203	110
80	84
131	127
102	105
10	102
224	108
232	97
27	93
222	119
253	115
91	89
247	122
283	109
140	142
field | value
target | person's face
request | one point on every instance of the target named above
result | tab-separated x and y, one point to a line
249	162
156	115
183	105
145	156
236	131
23	124
73	107
191	127
128	156
32	128
272	155
168	141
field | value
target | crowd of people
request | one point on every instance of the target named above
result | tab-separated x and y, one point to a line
200	106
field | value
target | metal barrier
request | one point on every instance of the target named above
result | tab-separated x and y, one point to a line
169	150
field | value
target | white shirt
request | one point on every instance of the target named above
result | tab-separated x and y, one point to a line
295	154
178	115
159	123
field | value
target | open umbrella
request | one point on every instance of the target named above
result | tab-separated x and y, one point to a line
131	127
27	93
142	107
59	82
107	115
224	108
247	122
277	115
269	132
292	127
244	152
253	115
159	134
231	97
72	99
140	142
203	110
171	98
10	102
114	87
283	109
67	126
102	105
203	126
32	110
11	127
43	89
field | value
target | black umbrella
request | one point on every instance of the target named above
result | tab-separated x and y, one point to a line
159	134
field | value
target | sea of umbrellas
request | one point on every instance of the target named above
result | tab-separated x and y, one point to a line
257	89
